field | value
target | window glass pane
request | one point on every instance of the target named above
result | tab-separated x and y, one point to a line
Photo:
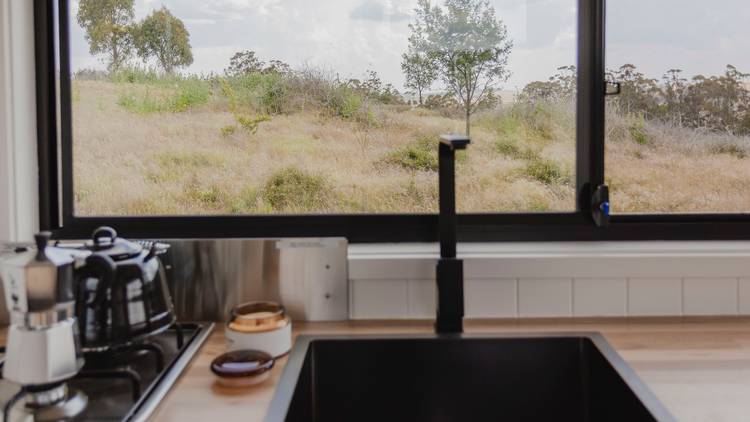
678	135
294	106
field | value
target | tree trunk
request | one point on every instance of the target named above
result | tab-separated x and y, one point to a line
420	98
115	65
468	122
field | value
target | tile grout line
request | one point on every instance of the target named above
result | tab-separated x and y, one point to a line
351	298
627	296
682	296
737	302
408	299
517	311
572	296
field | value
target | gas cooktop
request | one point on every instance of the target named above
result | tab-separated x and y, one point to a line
129	384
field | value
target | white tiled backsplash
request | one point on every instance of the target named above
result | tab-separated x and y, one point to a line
570	280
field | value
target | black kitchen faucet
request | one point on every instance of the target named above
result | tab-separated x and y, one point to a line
450	270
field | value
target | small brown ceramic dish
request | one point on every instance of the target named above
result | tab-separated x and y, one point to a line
242	368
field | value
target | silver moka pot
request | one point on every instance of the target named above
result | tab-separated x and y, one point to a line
43	348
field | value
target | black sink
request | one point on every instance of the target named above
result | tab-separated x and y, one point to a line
549	377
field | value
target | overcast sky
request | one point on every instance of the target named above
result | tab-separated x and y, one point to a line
352	36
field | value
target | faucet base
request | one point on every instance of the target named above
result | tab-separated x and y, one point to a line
450	295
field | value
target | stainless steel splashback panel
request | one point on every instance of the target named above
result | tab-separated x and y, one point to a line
209	277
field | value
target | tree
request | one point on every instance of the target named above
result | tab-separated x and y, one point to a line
560	87
468	46
244	63
108	29
163	36
675	89
279	67
719	103
640	94
419	70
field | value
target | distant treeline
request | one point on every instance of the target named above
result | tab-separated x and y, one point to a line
717	103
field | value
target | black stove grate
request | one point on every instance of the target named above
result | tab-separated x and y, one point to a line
128	385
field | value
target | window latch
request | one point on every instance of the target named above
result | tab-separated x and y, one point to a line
600	206
612	88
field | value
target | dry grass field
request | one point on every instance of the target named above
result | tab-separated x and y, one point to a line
154	150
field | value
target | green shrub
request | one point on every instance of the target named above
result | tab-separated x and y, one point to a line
507	147
295	189
184	96
145	104
539	119
251	124
638	132
344	102
510	148
261	92
729	149
190	93
210	196
135	75
421	155
228	130
246	202
545	171
273	94
351	103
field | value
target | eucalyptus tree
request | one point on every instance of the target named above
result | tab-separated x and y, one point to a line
468	46
164	37
108	28
420	71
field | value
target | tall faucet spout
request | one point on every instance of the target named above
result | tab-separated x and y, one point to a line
450	270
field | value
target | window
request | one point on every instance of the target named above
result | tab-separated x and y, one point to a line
340	116
214	119
678	136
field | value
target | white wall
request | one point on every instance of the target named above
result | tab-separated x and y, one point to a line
606	279
19	214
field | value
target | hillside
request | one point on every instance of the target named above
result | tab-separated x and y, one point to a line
201	147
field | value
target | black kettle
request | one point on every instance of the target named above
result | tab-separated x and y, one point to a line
121	295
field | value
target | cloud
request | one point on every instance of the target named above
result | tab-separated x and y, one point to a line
350	36
378	11
199	21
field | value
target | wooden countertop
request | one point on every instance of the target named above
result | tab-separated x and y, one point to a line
699	368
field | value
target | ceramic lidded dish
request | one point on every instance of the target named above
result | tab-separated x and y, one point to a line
242	368
262	326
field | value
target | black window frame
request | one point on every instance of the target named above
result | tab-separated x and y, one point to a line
56	197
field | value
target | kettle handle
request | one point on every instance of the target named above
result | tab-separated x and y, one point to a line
98	266
104	268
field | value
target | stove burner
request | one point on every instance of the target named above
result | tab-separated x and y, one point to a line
47	396
125	384
51	404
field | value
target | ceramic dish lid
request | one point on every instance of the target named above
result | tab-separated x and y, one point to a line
242	364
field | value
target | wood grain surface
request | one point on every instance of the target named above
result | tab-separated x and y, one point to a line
699	368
